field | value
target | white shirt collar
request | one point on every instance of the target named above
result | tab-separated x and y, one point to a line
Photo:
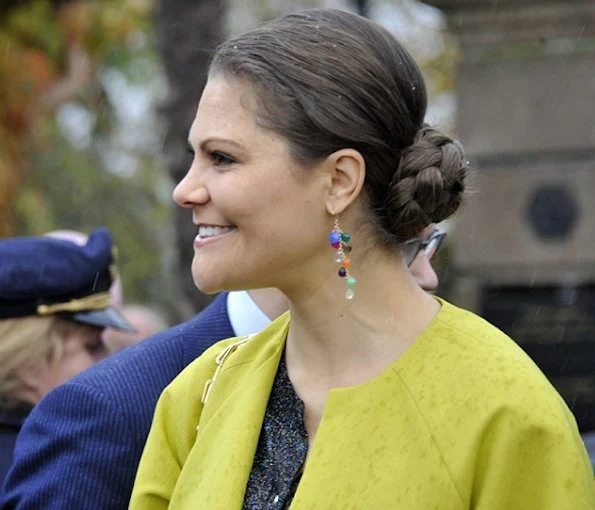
244	314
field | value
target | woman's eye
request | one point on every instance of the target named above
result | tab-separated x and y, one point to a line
221	159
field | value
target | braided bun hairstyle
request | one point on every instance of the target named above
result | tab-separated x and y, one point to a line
325	80
427	186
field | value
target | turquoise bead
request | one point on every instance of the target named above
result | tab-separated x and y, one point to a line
345	237
351	281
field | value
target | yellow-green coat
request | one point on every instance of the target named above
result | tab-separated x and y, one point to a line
463	419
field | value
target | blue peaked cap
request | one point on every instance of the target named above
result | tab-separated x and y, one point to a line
48	276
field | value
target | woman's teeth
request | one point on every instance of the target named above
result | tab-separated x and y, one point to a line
204	231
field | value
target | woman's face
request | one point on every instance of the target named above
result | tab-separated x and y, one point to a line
260	218
82	348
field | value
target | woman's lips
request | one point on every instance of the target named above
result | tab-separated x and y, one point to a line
210	233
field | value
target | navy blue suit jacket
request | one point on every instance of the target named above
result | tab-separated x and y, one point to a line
11	421
82	443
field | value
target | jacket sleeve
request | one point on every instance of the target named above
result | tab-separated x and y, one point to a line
529	462
170	440
173	432
76	450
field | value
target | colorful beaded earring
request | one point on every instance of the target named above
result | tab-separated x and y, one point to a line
339	241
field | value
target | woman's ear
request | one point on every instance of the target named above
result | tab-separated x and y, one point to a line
348	171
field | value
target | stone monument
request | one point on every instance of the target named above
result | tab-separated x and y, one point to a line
524	250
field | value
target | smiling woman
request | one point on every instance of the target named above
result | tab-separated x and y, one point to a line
309	132
241	190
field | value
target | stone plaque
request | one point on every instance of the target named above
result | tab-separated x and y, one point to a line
556	327
552	211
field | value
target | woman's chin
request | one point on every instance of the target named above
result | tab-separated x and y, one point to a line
206	285
205	282
216	279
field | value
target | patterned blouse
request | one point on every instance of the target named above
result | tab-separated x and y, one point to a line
281	450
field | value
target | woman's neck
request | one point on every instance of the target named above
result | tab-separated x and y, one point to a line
345	342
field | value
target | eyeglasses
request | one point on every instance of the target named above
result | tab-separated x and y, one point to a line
428	245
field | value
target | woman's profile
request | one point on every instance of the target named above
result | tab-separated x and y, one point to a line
312	169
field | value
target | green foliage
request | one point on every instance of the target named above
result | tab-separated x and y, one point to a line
34	25
67	180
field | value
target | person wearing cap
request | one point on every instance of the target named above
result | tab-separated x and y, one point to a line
81	446
54	304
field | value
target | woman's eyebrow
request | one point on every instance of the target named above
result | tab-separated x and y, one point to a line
204	143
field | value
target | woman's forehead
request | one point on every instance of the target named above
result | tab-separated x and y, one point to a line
224	106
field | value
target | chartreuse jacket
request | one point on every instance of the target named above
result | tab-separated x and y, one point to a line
462	420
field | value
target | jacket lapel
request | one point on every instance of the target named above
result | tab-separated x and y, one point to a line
230	426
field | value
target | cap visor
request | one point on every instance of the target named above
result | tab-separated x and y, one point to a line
106	318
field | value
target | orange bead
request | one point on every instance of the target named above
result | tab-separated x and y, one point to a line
346	263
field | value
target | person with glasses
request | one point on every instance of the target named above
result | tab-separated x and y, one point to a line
312	169
418	253
429	245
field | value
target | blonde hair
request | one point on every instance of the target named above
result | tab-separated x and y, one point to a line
28	341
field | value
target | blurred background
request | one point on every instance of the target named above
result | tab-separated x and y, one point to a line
96	99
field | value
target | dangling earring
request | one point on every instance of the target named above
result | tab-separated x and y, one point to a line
339	240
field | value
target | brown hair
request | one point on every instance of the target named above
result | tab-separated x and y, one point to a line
327	79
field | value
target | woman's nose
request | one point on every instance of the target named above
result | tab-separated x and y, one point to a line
191	190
